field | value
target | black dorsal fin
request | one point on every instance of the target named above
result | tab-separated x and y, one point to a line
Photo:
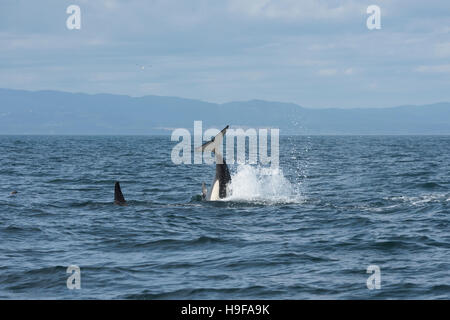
118	196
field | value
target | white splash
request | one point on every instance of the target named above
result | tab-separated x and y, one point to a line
422	199
261	184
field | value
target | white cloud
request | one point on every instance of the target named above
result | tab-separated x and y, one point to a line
327	72
333	71
443	49
443	68
230	50
11	79
295	9
35	41
321	46
349	71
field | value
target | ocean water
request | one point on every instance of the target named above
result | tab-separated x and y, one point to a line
309	230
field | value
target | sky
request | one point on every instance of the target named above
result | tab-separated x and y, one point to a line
314	53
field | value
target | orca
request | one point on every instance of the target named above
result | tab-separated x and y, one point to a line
118	196
218	189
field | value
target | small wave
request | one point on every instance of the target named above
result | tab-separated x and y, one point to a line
414	174
430	185
444	288
181	243
79	204
262	185
397	244
202	293
50	270
15	229
303	257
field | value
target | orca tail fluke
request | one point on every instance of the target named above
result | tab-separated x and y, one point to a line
210	145
118	196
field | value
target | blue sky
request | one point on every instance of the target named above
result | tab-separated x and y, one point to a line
311	52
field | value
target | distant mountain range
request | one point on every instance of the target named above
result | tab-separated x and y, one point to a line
54	112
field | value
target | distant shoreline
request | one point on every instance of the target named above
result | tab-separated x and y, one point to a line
61	113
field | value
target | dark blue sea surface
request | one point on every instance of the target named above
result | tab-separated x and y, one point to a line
306	231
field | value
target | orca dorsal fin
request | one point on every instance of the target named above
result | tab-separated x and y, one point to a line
118	196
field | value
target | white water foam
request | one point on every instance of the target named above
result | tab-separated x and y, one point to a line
263	185
423	199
